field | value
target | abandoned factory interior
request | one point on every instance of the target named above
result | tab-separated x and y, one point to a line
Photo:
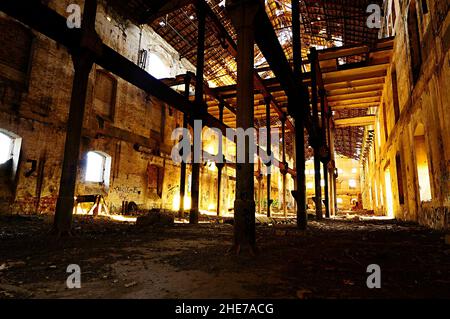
277	149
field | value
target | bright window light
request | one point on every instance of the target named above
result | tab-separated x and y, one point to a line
6	145
352	183
339	200
354	170
309	185
322	182
157	67
95	168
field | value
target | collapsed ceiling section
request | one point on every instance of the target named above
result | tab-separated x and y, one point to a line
324	24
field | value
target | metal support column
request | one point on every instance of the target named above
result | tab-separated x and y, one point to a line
83	60
199	102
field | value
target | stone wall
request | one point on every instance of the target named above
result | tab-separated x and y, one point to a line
424	111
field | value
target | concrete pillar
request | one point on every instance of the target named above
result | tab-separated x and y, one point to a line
199	102
242	14
83	60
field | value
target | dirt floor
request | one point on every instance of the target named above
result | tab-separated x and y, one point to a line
118	260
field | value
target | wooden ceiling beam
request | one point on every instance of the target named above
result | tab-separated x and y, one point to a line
354	106
356	101
355	121
358	89
354	96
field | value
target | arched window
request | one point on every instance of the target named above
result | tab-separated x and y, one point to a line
157	67
98	167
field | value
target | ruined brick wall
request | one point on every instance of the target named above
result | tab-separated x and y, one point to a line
136	133
424	105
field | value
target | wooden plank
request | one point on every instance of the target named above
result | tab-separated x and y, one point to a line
356	74
357	89
355	121
354	96
356	101
355	106
355	83
343	52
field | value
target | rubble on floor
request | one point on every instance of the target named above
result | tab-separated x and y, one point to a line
118	260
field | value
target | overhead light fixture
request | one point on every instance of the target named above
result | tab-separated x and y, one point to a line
162	23
192	17
108	18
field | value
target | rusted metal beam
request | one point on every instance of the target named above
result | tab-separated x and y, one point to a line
187	83
231	47
269	153
270	46
199	101
300	179
179	80
50	23
83	60
316	141
242	14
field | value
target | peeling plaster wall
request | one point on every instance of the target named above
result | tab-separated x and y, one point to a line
133	123
427	103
